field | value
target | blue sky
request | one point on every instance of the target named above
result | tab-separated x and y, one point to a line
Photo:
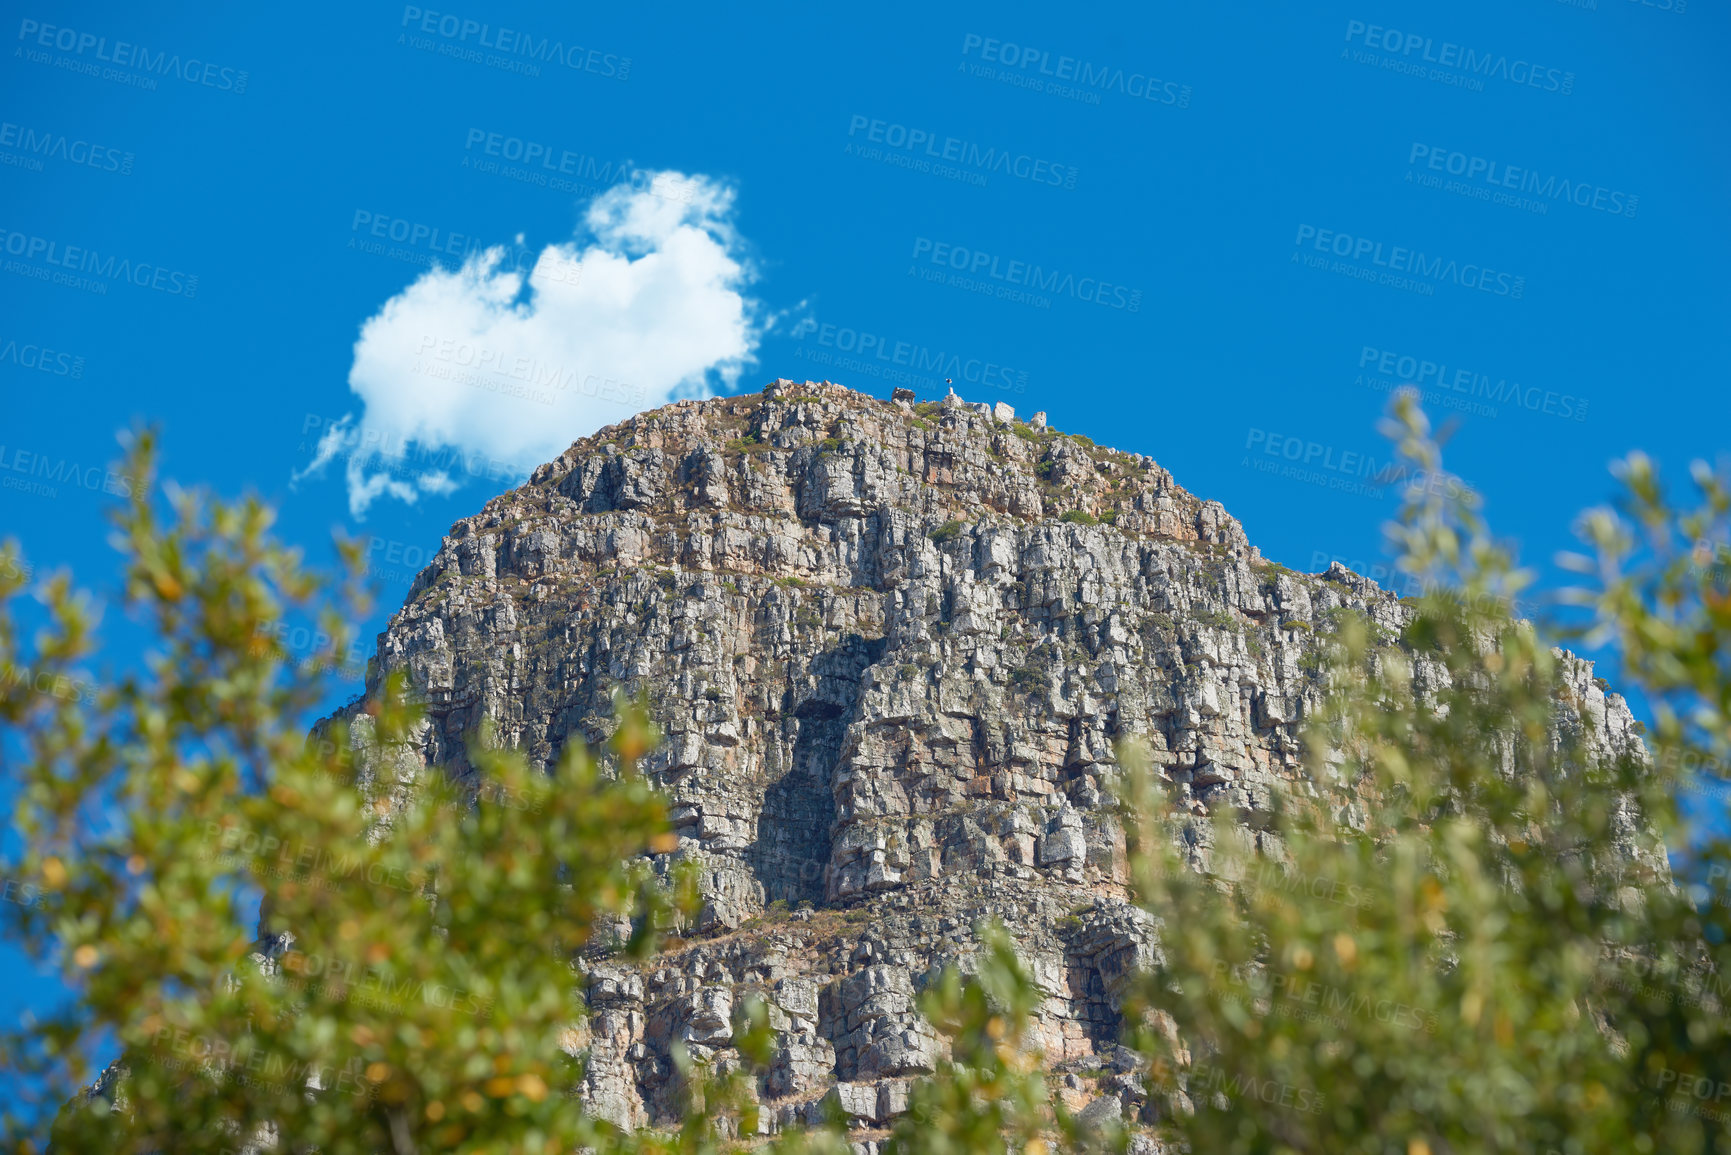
1212	234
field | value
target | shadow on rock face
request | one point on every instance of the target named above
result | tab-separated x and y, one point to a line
791	855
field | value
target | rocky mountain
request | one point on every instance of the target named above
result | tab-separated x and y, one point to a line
891	646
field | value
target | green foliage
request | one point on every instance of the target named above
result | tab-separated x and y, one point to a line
948	531
1465	937
427	977
749	443
1078	517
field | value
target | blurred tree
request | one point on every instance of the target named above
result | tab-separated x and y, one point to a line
1463	934
421	994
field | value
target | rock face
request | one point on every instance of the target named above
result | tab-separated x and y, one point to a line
892	647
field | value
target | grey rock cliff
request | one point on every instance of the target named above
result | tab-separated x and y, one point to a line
892	648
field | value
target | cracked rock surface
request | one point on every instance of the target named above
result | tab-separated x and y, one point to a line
891	648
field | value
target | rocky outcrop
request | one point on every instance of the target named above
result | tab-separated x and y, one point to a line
892	647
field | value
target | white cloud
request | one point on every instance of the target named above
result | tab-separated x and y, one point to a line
493	368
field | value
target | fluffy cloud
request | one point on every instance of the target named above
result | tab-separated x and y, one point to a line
493	368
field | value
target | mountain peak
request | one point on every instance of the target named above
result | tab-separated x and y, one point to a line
893	646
